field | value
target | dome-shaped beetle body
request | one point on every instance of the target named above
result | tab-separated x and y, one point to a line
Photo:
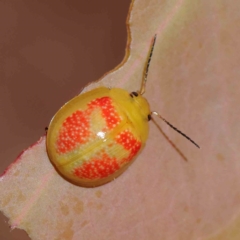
94	137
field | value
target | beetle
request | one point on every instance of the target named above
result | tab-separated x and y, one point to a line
95	136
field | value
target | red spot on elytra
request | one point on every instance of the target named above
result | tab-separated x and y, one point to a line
130	143
75	130
103	165
99	167
109	112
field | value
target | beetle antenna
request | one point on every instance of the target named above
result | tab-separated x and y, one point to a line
169	140
145	74
169	124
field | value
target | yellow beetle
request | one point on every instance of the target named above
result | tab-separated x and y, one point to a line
95	136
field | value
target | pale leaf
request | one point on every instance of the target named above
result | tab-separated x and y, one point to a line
194	83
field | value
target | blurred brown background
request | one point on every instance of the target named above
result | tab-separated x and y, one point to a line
48	51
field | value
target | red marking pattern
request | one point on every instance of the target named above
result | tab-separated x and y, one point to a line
102	166
109	112
99	167
130	143
76	128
